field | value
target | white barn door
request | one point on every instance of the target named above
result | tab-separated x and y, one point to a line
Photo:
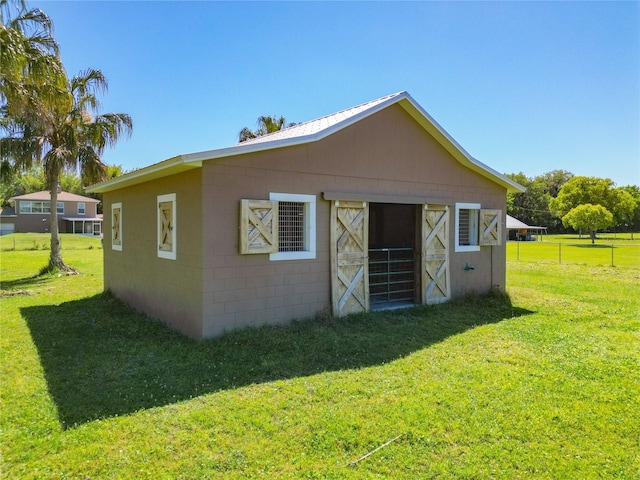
349	257
435	254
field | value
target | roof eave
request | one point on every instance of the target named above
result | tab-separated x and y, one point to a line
157	170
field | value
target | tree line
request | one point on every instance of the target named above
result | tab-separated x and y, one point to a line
560	200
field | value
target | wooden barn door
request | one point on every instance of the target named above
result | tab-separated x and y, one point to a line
435	254
349	252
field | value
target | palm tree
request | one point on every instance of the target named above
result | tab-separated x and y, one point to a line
31	73
265	125
30	66
70	131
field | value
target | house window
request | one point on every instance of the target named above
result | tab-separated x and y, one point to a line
296	226
466	230
81	208
166	207
29	206
116	226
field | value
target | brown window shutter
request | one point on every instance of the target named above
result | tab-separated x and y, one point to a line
258	226
490	227
115	237
166	226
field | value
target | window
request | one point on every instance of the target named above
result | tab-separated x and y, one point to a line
116	226
290	226
29	206
166	206
81	208
296	226
466	231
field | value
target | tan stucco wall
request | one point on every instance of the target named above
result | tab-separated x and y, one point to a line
387	153
170	290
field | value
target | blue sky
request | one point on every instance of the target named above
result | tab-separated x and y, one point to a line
522	86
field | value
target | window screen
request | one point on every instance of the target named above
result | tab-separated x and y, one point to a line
467	226
291	226
464	227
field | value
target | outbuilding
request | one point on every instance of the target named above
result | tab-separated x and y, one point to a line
518	230
372	207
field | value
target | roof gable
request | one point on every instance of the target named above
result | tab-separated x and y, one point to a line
313	131
45	195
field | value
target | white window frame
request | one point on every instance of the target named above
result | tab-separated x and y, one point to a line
467	248
309	251
27	207
170	255
84	208
115	206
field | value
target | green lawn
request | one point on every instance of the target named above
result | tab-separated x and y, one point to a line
544	386
42	241
569	249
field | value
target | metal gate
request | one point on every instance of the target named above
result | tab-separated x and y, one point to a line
392	277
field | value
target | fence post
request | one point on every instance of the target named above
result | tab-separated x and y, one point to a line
560	253
612	256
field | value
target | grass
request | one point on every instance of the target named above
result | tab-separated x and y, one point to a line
602	237
569	249
42	241
544	386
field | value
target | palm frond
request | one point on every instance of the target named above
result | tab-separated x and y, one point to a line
92	169
246	134
90	81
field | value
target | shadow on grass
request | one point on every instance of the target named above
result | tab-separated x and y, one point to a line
29	282
102	359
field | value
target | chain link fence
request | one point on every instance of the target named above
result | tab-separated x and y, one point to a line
25	242
605	254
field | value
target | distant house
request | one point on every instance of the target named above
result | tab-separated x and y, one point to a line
30	213
372	207
518	230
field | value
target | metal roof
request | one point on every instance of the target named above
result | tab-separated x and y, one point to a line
313	127
515	224
310	132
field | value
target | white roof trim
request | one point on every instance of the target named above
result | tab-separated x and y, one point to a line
194	160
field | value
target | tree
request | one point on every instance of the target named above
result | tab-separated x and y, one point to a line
588	217
265	126
634	223
581	190
31	72
532	205
64	132
554	180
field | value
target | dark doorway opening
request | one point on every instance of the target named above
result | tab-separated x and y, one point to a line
393	279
